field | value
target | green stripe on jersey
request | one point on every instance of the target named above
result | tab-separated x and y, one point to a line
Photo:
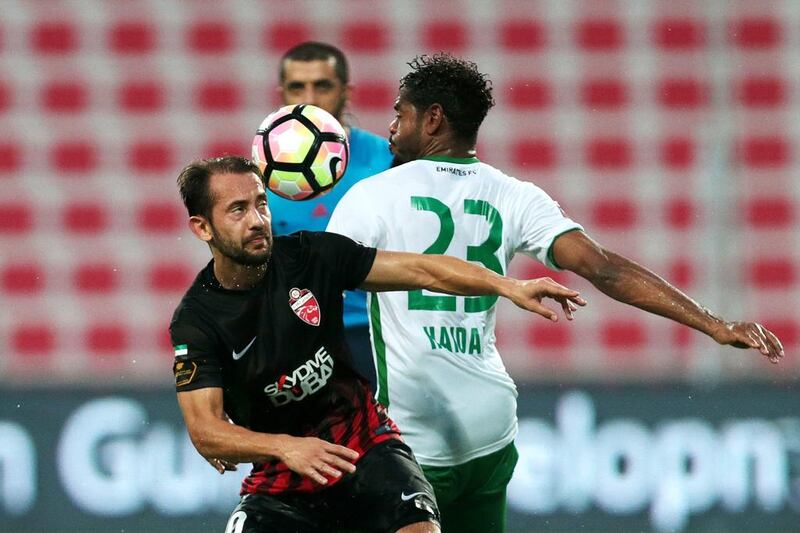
379	349
181	349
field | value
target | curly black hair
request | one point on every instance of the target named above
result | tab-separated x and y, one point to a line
464	93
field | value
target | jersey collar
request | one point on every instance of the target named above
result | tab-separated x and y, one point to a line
456	160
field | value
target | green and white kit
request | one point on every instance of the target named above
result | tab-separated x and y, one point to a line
438	369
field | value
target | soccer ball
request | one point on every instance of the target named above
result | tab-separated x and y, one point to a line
302	151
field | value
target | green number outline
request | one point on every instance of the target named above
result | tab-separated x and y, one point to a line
484	253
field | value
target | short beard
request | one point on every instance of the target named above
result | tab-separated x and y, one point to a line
240	255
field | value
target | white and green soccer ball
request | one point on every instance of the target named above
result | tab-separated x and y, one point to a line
302	151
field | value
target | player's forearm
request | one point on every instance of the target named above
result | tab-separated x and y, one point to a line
630	283
398	271
222	440
451	275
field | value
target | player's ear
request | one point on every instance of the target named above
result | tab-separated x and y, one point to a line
433	118
201	227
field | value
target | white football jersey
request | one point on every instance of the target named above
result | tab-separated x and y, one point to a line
438	369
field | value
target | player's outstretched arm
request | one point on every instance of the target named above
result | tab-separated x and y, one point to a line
402	271
215	437
630	283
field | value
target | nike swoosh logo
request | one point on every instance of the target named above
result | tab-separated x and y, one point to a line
405	497
238	355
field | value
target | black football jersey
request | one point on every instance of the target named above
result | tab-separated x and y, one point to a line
278	350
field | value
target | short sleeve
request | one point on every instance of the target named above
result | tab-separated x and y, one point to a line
196	364
354	217
540	221
347	261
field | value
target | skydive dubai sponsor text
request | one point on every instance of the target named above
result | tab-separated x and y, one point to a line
306	379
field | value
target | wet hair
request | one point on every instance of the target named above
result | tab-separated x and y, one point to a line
317	51
464	93
194	178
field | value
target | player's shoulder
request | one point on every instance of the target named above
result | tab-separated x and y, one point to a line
302	246
188	307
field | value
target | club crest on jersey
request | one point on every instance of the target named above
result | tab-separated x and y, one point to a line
304	304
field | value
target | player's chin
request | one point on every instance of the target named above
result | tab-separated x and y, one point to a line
257	256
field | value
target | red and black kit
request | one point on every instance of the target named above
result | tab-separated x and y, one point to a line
278	352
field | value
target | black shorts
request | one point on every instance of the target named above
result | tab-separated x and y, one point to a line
387	491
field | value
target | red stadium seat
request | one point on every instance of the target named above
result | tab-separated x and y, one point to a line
600	35
679	34
163	342
210	37
614	214
682	93
764	151
788	331
677	153
755	32
680	213
152	156
762	91
376	95
106	338
132	37
85	218
159	217
772	273
623	334
74	157
537	153
604	94
610	153
6	96
141	96
681	273
542	336
681	335
529	93
56	37
95	278
516	35
281	35
15	218
33	339
11	157
170	277
220	147
445	35
64	97
22	278
218	95
770	212
534	269
366	36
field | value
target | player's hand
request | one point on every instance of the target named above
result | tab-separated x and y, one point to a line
529	295
221	465
750	335
318	459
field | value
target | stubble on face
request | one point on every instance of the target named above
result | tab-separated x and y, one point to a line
238	252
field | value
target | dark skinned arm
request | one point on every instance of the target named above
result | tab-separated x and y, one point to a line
630	283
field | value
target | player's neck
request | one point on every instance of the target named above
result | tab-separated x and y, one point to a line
236	276
450	149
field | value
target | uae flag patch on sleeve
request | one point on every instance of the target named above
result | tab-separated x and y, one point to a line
181	349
